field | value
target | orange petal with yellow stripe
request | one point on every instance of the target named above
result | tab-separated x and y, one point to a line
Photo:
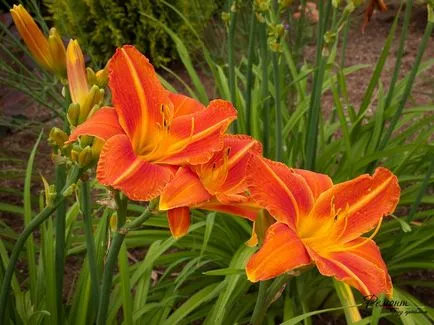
285	194
358	204
103	124
282	251
183	105
359	264
241	209
185	189
138	96
317	182
179	221
120	168
195	137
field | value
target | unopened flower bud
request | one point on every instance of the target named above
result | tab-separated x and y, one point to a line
262	5
329	37
70	190
226	16
285	3
96	148
90	76
49	191
58	53
57	137
73	114
85	157
93	98
102	77
75	154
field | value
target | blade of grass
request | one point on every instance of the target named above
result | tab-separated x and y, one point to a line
315	100
30	245
86	211
231	59
125	285
250	58
21	241
409	85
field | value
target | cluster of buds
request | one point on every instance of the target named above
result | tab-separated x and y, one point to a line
87	93
276	32
86	88
226	15
85	99
48	52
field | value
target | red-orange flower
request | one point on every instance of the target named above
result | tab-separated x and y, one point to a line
219	185
149	130
322	223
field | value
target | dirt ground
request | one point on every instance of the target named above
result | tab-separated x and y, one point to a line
361	49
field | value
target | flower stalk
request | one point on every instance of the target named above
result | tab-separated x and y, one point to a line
35	223
114	250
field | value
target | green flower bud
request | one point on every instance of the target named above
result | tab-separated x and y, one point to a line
73	114
57	137
85	157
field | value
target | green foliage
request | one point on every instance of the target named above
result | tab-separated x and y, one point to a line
103	25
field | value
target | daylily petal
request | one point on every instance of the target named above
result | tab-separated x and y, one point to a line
355	207
358	264
282	251
179	221
103	124
242	209
195	137
138	96
317	182
185	189
183	105
120	168
285	194
241	146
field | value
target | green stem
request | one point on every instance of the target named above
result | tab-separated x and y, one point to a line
231	63
277	103
315	101
422	191
113	253
259	312
264	89
36	222
266	296
250	56
60	242
408	85
400	54
86	210
277	92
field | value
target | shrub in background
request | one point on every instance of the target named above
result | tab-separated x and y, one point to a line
103	25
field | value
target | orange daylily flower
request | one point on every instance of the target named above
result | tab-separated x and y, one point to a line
49	52
218	185
149	131
322	223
